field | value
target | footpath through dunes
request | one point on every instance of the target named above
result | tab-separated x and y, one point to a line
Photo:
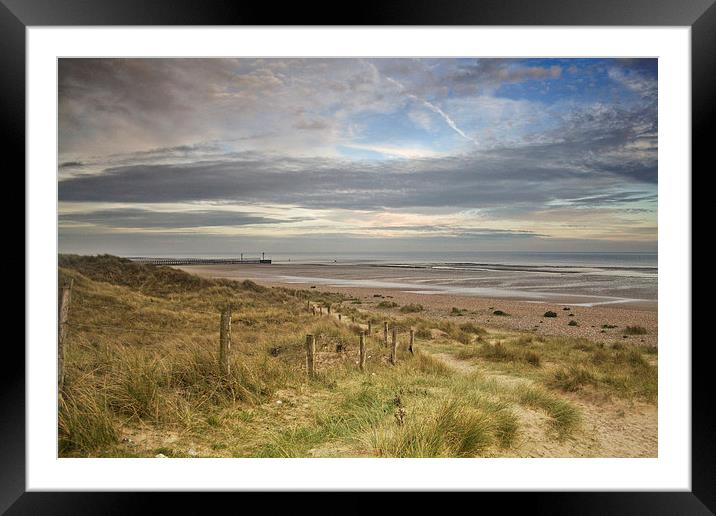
604	428
143	377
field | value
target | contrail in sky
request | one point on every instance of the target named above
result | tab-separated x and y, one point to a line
435	109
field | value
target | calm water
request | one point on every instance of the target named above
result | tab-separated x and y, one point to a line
647	260
577	278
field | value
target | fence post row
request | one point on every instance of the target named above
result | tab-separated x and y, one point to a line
225	341
64	312
310	352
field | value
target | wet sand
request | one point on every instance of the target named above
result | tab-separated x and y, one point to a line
525	314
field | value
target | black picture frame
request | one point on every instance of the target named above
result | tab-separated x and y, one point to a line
700	15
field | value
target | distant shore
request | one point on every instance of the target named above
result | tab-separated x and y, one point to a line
604	322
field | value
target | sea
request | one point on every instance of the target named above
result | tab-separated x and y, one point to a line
579	278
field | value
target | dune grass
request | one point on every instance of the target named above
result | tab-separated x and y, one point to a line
411	308
573	365
564	417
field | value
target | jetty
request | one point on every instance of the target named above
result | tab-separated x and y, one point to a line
200	261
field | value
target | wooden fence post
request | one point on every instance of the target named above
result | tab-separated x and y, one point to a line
394	348
308	305
329	309
370	327
362	351
64	313
412	340
225	341
385	333
310	352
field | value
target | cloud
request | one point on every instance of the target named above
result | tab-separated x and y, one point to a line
422	119
147	144
312	124
395	150
527	176
140	218
639	83
126	105
456	231
71	164
489	74
608	200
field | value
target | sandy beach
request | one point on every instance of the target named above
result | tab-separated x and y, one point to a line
524	314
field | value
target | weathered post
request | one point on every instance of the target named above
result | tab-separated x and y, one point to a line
362	351
370	327
308	305
329	308
412	340
385	333
394	348
225	341
310	353
339	317
64	313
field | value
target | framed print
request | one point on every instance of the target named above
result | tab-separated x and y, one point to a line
440	249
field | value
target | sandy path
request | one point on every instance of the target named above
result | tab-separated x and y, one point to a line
615	428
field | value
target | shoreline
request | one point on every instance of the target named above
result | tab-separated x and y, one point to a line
524	315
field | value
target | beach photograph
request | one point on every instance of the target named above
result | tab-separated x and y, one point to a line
357	258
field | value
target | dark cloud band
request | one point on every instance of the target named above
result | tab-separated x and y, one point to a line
139	218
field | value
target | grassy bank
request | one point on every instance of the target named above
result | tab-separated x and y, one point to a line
142	375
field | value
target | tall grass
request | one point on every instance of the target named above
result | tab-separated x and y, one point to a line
451	428
624	373
428	364
356	412
85	421
143	350
564	417
500	352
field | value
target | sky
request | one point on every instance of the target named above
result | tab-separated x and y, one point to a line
222	156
